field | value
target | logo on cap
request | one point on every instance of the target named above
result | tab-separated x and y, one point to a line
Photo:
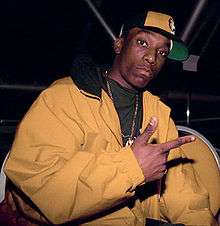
172	26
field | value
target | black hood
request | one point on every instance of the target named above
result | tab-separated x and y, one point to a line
87	75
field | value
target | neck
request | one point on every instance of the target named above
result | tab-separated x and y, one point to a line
115	74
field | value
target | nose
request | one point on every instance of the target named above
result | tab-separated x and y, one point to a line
150	57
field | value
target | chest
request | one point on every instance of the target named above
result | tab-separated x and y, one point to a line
101	122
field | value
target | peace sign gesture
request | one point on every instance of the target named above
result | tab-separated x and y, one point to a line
152	158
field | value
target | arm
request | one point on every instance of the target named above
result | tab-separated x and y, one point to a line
49	165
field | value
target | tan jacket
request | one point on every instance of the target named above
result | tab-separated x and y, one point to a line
67	157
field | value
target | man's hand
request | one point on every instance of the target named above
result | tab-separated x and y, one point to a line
152	158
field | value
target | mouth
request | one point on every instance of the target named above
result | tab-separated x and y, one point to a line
145	71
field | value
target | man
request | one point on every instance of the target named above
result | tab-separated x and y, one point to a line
94	150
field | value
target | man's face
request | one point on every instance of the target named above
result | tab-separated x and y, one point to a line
140	57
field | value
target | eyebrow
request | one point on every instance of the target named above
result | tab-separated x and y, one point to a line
152	33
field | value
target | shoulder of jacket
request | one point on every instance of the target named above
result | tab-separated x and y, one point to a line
59	92
155	98
59	86
62	83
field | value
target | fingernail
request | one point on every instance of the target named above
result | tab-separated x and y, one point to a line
193	138
152	121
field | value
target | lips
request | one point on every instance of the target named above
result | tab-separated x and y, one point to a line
145	71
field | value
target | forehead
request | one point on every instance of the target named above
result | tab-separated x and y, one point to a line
140	32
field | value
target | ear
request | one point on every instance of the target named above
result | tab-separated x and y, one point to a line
118	44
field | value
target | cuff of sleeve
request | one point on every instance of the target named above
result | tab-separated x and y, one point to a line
129	165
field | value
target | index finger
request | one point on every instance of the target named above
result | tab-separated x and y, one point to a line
177	143
149	130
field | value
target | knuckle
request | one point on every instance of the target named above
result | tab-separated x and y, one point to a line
163	149
148	132
180	141
160	175
176	143
164	158
163	168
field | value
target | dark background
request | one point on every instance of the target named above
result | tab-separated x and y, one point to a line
40	39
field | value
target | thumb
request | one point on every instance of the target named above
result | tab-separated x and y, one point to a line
149	130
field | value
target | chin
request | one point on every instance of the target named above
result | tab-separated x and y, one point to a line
140	86
142	83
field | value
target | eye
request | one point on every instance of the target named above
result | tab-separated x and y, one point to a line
142	43
163	53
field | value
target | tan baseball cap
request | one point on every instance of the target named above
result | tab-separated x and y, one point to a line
163	24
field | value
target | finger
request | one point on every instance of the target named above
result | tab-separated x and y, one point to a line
177	143
160	175
149	130
163	168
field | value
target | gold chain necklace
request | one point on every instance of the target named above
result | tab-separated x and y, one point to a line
130	137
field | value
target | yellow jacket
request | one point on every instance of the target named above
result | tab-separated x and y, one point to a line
67	157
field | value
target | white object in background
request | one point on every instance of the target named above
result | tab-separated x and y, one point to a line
3	180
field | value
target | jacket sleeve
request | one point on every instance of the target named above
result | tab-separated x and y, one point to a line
185	197
48	163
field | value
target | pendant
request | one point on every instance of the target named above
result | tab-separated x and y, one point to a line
129	142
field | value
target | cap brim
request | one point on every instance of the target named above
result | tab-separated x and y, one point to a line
179	50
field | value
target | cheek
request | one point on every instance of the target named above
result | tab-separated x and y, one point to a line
131	58
134	54
160	63
130	61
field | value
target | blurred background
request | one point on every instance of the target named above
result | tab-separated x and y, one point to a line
40	39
